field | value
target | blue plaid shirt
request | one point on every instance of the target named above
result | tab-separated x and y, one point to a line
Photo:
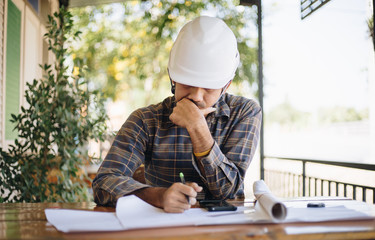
148	137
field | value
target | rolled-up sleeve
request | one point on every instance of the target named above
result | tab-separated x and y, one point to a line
225	166
126	154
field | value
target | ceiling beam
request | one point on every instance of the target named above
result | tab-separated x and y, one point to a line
310	6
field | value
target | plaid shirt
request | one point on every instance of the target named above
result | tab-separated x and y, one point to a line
148	137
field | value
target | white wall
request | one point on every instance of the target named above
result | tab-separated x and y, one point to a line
32	31
2	66
32	50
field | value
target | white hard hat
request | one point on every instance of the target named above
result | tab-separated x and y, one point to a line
204	54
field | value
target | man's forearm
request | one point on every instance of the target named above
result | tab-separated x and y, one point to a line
201	137
151	195
202	141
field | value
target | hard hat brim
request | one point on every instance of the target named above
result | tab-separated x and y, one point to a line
200	82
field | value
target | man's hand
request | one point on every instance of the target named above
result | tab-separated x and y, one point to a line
186	114
174	198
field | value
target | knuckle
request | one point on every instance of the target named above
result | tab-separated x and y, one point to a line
194	185
193	193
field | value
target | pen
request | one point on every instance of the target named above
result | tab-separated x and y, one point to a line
183	182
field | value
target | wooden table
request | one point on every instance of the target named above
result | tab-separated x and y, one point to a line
28	221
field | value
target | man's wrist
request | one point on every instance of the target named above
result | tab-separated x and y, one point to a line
204	153
201	138
151	195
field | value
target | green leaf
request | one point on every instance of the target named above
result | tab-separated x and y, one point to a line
49	129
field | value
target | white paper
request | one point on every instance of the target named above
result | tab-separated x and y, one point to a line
323	214
268	207
134	213
82	221
324	229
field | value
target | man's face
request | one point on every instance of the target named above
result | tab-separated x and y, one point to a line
202	97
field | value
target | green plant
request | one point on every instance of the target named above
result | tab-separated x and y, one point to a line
63	114
371	28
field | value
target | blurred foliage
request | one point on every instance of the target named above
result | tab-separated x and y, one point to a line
370	24
126	46
286	115
45	164
342	114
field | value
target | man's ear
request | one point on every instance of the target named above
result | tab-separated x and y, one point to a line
173	86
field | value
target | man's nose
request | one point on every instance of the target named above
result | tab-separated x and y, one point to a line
196	94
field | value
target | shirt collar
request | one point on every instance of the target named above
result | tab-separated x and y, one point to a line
222	108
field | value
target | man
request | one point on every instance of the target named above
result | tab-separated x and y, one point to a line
208	135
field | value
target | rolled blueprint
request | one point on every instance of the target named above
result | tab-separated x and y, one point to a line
275	209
